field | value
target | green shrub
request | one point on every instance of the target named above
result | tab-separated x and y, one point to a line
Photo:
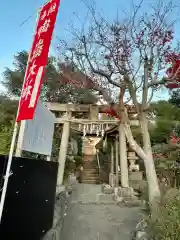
69	167
167	223
78	160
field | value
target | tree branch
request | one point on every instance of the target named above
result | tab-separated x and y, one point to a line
155	82
145	85
132	92
127	129
98	71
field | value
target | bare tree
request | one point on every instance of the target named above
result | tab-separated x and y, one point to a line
126	59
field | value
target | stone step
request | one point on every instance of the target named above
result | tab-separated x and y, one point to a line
88	189
91	181
96	199
90	177
89	158
90	162
84	174
89	167
105	197
90	174
90	170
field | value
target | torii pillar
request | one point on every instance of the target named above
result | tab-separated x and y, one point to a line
63	150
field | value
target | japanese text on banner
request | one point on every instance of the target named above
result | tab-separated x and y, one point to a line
37	60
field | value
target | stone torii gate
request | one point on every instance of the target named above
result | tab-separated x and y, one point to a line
85	126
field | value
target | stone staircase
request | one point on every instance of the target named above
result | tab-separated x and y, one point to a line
90	170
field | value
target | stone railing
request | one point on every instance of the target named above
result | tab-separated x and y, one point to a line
60	211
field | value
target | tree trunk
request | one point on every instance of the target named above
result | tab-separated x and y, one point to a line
151	175
152	180
123	157
146	154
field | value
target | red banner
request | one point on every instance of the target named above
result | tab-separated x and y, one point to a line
37	60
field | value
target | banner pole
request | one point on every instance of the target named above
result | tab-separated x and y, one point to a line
13	142
8	169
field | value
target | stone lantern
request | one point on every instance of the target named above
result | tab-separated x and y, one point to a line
132	159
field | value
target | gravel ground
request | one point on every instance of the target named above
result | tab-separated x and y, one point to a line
99	221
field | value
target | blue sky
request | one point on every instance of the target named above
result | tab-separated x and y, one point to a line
13	12
16	38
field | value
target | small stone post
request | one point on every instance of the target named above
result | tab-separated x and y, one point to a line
63	150
117	163
123	157
112	176
112	158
